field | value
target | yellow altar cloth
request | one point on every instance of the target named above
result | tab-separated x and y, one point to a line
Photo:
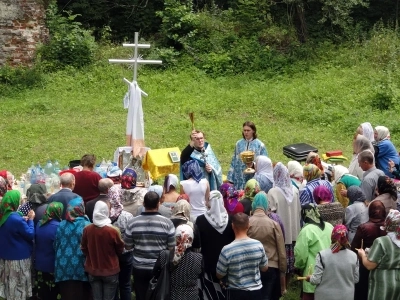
158	162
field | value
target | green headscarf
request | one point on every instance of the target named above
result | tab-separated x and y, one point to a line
53	211
8	205
310	215
260	201
251	189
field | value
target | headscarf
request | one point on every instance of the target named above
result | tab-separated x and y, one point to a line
295	169
383	133
310	215
170	179
8	205
36	193
101	214
313	158
311	172
377	211
191	169
385	185
217	215
392	226
184	239
183	197
251	189
361	144
181	210
264	167
3	174
368	131
322	194
355	194
3	186
128	179
115	196
75	209
339	171
260	201
282	181
156	188
339	238
53	212
230	196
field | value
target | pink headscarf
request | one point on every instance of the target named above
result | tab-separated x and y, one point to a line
114	195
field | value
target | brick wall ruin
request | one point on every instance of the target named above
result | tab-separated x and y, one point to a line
21	29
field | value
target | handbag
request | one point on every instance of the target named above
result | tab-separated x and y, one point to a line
159	287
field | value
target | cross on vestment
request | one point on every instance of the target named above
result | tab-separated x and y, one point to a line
133	99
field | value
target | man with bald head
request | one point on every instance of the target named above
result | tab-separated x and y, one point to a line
65	194
104	186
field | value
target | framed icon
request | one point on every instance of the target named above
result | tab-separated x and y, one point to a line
174	156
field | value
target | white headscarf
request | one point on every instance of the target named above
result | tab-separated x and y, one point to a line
264	167
184	239
383	133
339	172
156	188
282	181
170	179
100	214
368	131
295	169
217	215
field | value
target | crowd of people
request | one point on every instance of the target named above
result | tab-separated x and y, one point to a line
246	237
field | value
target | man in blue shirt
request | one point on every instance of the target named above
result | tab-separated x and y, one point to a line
241	261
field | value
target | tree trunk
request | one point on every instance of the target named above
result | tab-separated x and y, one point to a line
300	23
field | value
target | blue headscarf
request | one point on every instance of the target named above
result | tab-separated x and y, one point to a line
260	201
192	169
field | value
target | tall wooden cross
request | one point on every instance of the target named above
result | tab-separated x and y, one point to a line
133	99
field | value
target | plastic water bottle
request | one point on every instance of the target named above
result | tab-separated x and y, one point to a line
33	178
48	168
56	167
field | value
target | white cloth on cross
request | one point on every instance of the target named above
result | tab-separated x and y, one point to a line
134	121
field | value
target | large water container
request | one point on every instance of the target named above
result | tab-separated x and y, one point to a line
48	168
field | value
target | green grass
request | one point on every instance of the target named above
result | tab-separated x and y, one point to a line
74	112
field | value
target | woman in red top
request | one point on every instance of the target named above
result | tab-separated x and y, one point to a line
87	181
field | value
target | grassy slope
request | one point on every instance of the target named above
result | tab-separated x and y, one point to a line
75	112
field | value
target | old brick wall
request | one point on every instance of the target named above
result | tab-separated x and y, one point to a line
21	29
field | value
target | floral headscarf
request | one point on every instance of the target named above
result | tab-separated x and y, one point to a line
382	133
181	210
355	194
3	174
251	189
75	209
392	226
264	167
115	196
311	172
260	201
191	169
217	215
322	194
3	186
184	239
313	158
310	215
230	196
8	205
282	181
53	212
339	238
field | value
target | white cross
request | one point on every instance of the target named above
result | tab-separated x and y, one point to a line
135	124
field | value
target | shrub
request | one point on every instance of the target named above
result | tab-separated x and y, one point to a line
69	44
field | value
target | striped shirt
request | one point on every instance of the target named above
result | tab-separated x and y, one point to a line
306	194
241	261
149	234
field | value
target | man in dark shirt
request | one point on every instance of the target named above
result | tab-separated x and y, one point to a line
104	186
